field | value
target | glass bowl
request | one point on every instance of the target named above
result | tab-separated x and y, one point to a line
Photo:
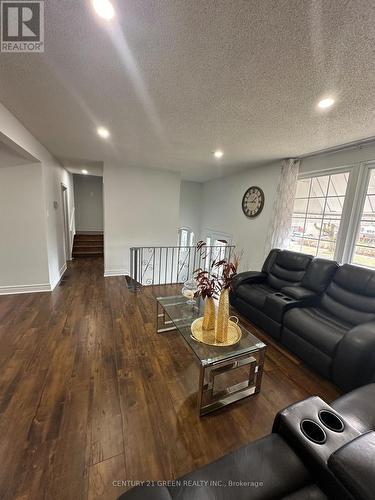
189	289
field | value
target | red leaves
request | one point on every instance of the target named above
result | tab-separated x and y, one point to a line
227	272
201	244
211	284
207	285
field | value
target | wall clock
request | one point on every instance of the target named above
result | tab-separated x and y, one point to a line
253	201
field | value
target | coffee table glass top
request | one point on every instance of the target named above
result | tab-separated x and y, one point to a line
182	316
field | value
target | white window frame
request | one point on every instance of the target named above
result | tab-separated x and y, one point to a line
217	235
355	197
359	199
190	235
346	207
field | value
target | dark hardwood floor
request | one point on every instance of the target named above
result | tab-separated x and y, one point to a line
90	394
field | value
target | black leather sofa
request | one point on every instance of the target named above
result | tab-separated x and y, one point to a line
322	312
337	335
288	464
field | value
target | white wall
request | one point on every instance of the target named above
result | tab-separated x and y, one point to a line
346	157
222	211
88	197
23	248
191	206
52	175
141	207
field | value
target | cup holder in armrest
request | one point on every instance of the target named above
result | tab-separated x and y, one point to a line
332	421
315	428
283	297
313	431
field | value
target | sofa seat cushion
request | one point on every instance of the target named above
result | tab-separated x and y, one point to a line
146	493
310	492
317	327
255	294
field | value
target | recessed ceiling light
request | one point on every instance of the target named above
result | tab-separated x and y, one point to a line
326	103
218	154
104	9
103	132
84	171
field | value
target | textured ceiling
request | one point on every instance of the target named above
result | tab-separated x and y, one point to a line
175	79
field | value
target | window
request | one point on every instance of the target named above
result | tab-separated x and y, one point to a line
185	237
364	248
317	214
219	251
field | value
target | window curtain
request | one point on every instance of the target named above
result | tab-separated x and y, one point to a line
279	230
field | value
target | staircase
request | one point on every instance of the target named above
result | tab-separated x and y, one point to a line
87	245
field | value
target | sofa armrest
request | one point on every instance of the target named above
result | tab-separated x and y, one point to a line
248	277
354	361
299	293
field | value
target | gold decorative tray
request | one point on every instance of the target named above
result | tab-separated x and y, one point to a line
208	336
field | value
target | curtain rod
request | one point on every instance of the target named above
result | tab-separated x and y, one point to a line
342	147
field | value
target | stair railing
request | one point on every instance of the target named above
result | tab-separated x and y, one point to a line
171	265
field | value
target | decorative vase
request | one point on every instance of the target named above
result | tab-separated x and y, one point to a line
209	314
223	317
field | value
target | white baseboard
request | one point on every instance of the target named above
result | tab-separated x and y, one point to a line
61	274
12	290
115	272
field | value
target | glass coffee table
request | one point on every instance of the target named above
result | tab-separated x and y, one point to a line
227	374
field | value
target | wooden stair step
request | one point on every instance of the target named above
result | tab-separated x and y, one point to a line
87	239
89	243
86	254
87	248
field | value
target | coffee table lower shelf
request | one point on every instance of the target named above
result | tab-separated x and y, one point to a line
225	382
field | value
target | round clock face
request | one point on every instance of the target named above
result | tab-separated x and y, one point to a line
253	201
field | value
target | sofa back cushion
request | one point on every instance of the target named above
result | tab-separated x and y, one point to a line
351	295
288	269
319	275
270	260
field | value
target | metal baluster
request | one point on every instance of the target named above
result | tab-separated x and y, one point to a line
135	269
141	268
172	266
160	252
178	265
166	266
131	284
153	267
188	270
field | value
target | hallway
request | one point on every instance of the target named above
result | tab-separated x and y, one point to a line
89	394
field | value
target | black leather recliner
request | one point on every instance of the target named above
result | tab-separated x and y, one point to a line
325	314
287	280
337	336
287	464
